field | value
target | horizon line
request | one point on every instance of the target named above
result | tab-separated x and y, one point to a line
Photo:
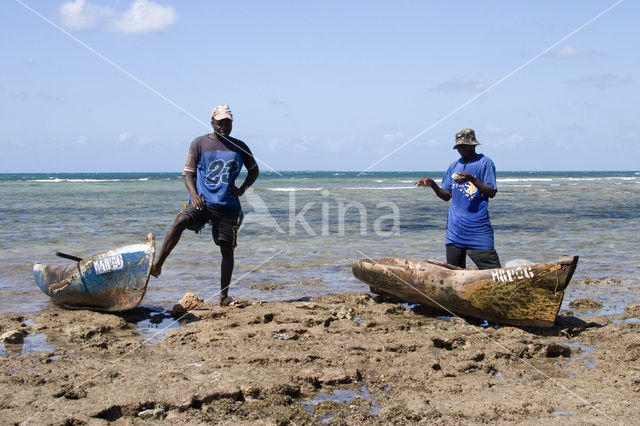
323	171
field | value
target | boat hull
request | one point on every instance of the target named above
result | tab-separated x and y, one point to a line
113	280
528	295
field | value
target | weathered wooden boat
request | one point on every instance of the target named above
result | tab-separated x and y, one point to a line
113	280
528	295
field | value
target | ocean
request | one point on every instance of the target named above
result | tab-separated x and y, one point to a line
302	229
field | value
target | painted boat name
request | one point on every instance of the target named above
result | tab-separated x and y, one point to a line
509	275
108	264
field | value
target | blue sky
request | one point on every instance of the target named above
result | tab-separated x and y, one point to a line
329	85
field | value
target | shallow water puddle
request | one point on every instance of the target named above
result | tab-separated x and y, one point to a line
32	343
154	328
37	343
609	307
341	396
584	357
487	324
627	321
408	305
563	413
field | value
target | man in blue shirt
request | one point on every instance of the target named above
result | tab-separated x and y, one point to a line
469	183
213	164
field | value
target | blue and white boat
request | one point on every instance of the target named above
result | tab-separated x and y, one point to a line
113	280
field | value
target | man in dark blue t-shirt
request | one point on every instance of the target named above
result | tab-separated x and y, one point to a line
469	183
213	164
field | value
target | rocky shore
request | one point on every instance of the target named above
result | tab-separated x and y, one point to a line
340	359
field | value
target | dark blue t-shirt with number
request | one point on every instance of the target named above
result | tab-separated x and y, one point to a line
468	224
216	162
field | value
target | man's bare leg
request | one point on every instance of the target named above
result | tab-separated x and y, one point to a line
181	223
226	270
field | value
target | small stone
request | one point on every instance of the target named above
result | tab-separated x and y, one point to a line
155	414
13	336
281	336
345	313
156	319
188	302
249	391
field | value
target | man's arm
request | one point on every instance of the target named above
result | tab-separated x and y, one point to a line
196	200
484	189
252	175
443	194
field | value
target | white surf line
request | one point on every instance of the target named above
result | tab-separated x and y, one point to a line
500	345
133	77
494	85
162	330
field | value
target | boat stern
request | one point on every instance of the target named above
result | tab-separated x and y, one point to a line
39	276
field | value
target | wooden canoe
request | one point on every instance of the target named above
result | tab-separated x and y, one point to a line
113	280
528	295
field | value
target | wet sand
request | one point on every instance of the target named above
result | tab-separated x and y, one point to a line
341	359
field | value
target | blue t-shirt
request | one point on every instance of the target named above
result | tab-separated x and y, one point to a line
468	224
216	163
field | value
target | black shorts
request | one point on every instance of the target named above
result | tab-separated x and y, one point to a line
224	223
484	259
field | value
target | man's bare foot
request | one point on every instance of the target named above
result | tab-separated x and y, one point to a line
155	270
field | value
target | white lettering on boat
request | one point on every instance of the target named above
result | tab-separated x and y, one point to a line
509	275
108	264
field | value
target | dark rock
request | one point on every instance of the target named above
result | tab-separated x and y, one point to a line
13	337
601	281
585	305
555	350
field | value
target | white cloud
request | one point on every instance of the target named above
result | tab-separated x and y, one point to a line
301	145
123	137
143	16
497	136
429	143
630	134
493	130
461	85
602	81
393	137
512	139
336	145
144	140
275	144
78	15
81	141
298	145
572	52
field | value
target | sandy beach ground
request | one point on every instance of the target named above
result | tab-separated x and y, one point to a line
340	359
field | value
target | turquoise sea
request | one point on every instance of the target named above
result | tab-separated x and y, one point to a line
303	228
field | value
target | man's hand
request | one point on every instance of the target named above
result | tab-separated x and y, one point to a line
197	201
482	187
424	182
464	177
235	192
